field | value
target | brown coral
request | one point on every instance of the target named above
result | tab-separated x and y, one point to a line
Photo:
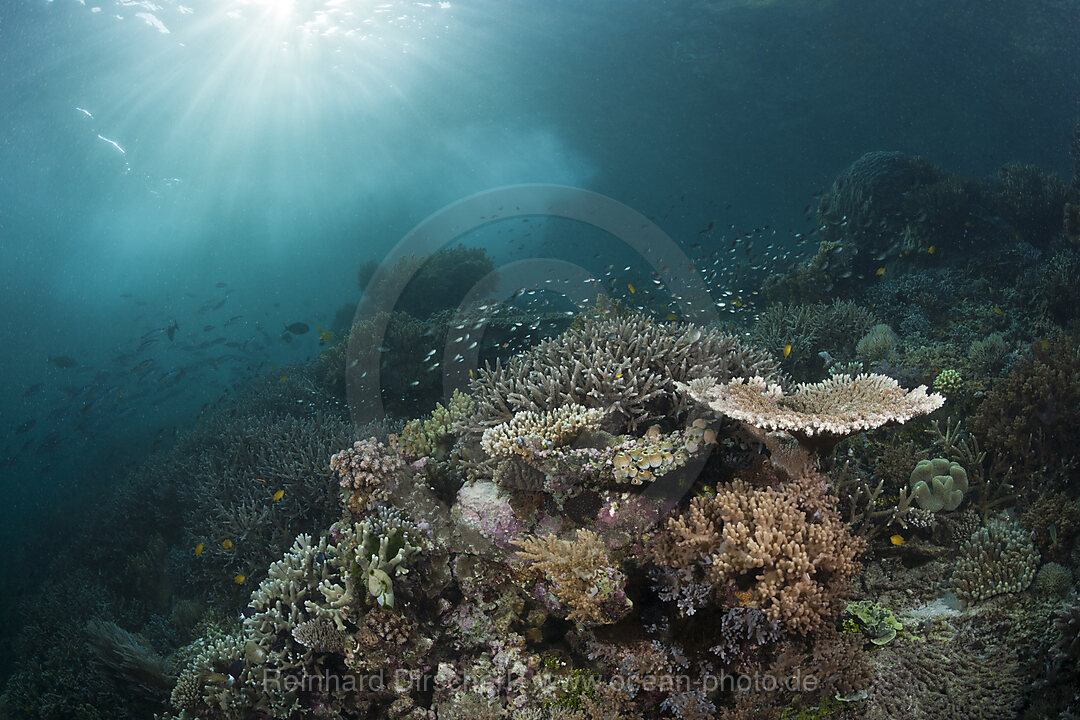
792	562
581	574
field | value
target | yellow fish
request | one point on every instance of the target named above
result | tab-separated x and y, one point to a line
631	286
880	271
283	378
672	316
226	544
897	540
998	311
239	579
325	336
278	495
198	550
930	250
618	375
787	349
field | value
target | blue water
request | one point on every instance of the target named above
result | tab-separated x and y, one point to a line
194	162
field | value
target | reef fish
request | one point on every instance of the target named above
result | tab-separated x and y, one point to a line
278	495
198	549
62	361
298	328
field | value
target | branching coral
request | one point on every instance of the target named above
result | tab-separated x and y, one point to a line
434	436
367	471
625	365
1031	419
999	558
791	562
581	575
530	432
817	414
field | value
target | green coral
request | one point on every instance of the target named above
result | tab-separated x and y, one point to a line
875	621
948	382
378	549
938	484
435	436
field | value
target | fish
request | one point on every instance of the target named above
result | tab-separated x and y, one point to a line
897	540
239	579
146	344
297	328
259	480
930	250
880	271
325	336
283	378
221	285
787	349
278	495
227	544
630	286
62	361
171	330
198	549
998	311
207	328
33	390
233	320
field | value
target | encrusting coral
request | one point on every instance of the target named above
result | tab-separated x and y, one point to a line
817	414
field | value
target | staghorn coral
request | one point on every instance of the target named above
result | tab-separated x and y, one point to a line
367	471
999	558
128	660
581	575
790	561
1031	419
625	366
1054	519
528	432
810	330
924	680
818	414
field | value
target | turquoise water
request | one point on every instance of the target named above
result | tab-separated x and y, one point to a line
188	191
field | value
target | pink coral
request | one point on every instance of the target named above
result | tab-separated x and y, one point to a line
368	469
